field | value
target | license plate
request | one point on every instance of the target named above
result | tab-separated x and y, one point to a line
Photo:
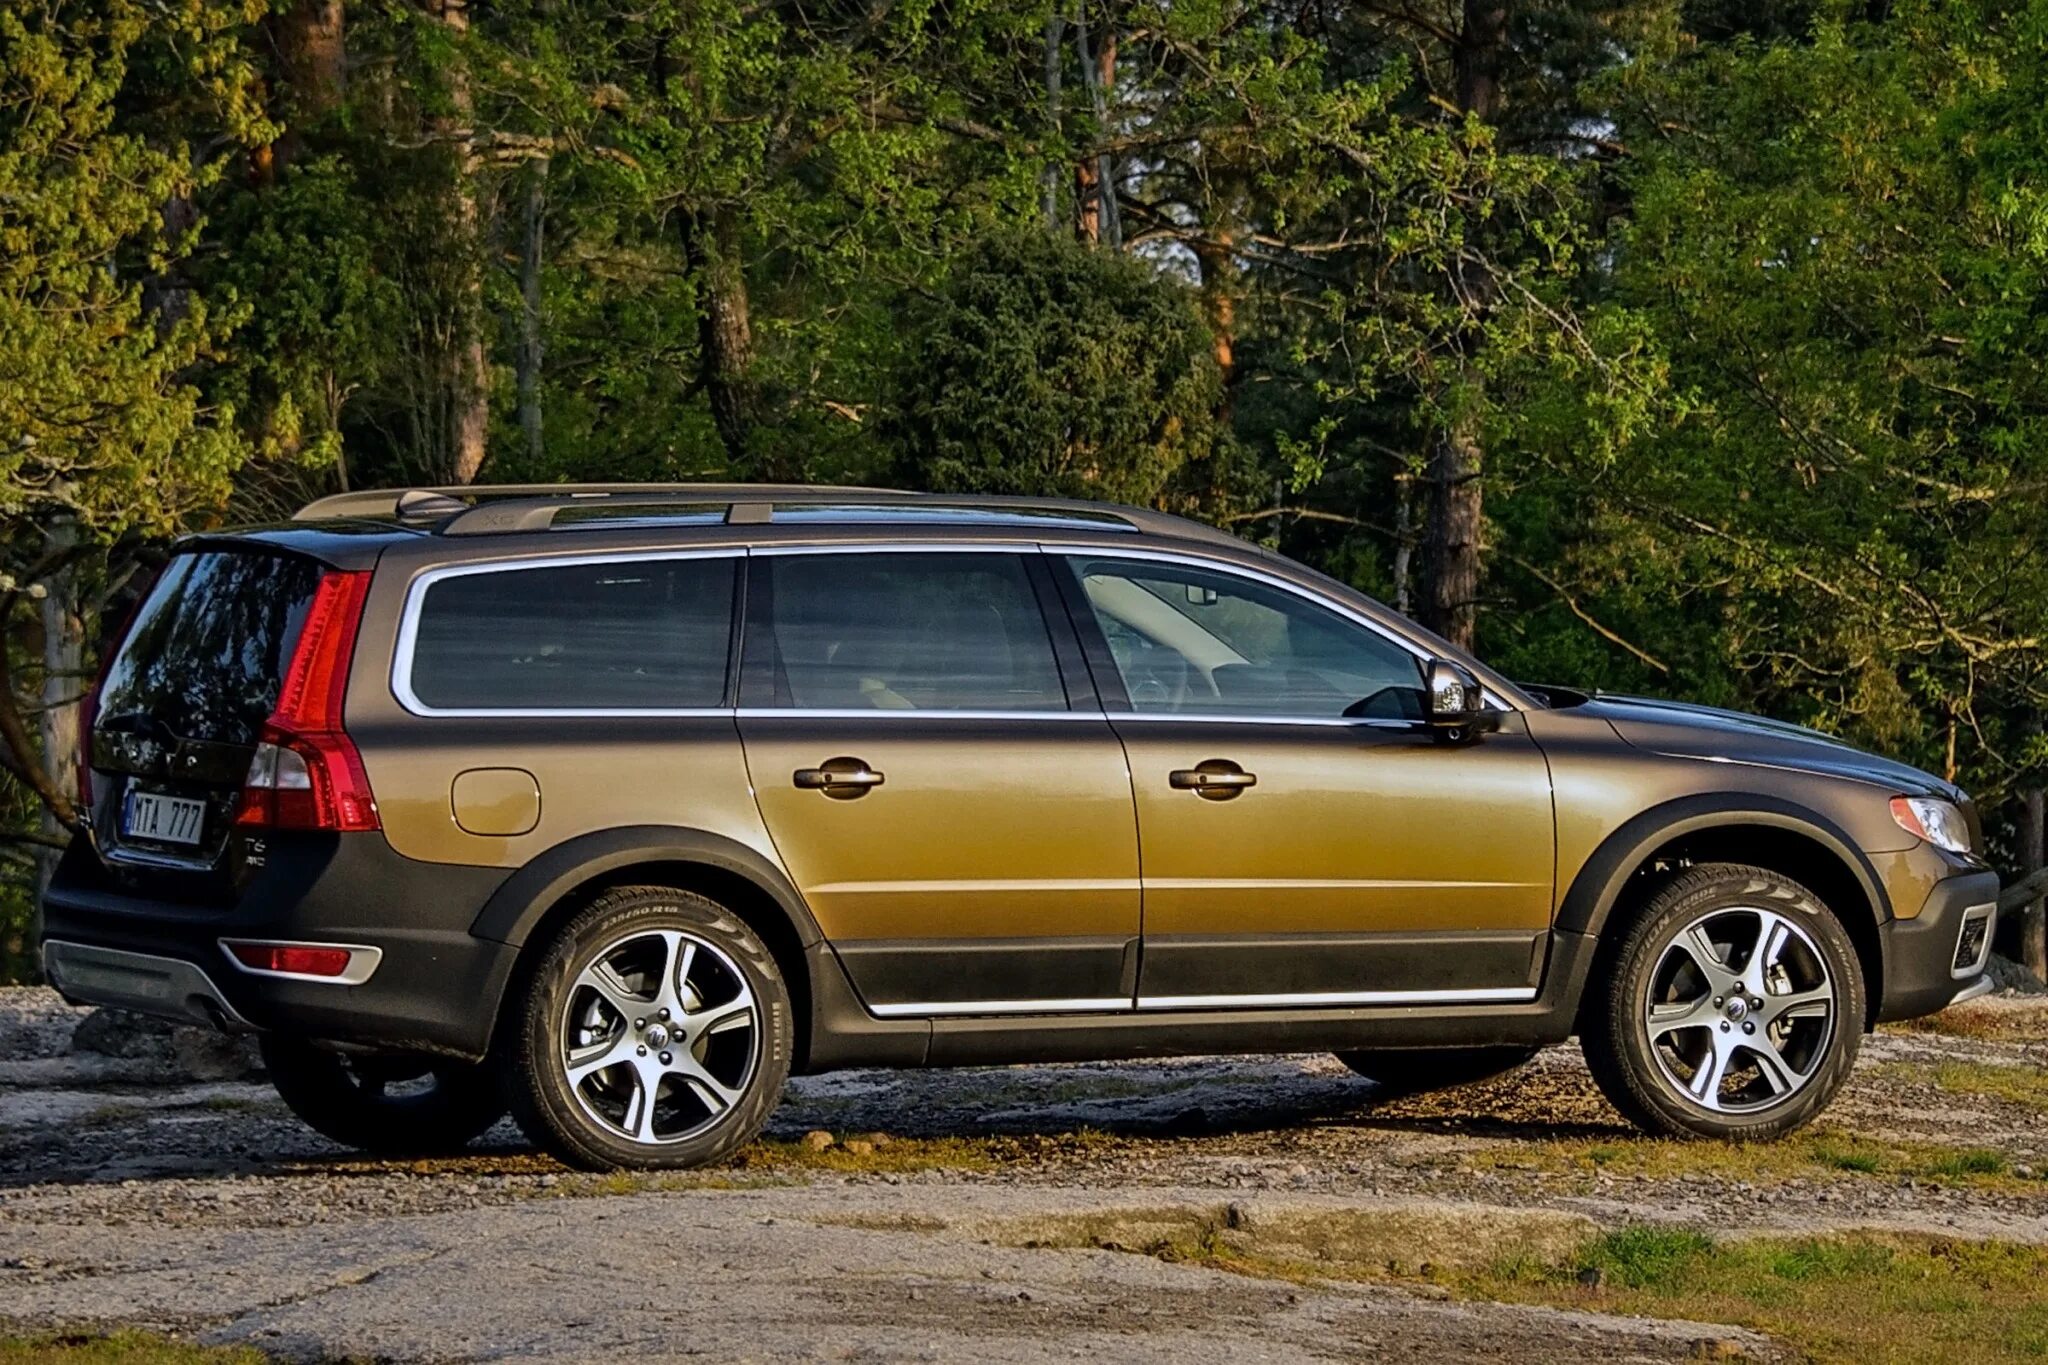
165	819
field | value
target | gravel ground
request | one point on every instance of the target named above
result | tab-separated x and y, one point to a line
131	1193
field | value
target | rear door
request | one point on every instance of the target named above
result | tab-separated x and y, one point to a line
962	830
184	700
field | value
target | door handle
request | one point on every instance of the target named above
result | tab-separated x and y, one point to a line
839	778
1217	779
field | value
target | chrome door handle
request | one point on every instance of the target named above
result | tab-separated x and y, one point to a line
841	778
1218	779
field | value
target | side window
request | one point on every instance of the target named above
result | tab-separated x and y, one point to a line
900	632
630	634
1189	641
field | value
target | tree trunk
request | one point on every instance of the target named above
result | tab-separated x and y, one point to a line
1457	511
1455	518
1404	543
1055	28
1213	254
312	55
2034	919
64	682
530	343
1095	177
725	333
467	375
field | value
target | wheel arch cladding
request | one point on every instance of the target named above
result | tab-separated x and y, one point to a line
1759	831
550	889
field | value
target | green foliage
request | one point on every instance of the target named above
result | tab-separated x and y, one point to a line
98	419
1046	367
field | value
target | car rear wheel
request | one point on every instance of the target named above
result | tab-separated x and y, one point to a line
655	1032
389	1104
1417	1071
1732	1008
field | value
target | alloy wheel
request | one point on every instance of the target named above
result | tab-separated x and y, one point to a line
661	1036
1741	1010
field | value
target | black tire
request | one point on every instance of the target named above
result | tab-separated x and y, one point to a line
386	1104
576	1122
1417	1071
1642	1079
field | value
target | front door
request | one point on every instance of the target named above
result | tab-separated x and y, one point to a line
1305	839
963	834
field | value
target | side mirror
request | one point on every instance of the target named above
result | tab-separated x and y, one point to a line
1457	705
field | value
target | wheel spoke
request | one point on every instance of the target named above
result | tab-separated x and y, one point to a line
586	1062
1706	957
1771	1065
1682	1014
716	1094
1817	1003
1705	1085
734	1013
1772	934
639	1119
600	977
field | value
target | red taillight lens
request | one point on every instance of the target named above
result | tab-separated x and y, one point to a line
298	959
306	773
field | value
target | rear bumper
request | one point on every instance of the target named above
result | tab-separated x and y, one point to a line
435	987
1929	963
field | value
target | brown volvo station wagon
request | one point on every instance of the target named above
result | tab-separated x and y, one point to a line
616	805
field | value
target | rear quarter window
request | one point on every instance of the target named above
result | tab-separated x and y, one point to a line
650	634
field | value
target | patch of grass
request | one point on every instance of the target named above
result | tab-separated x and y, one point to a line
1813	1155
2015	1084
119	1348
1895	1299
1985	1021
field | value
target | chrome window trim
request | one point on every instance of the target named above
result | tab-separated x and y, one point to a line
408	633
363	960
415	601
1229	568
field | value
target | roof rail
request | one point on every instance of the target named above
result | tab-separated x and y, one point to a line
496	509
446	499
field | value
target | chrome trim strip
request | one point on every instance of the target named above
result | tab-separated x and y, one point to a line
1974	912
877	713
1311	999
1983	985
415	599
1485	995
1120	1004
362	961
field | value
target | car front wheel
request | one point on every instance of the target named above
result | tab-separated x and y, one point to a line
1732	1008
655	1032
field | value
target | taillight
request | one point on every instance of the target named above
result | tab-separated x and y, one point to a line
293	959
306	773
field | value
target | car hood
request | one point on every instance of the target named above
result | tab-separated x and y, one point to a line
1687	731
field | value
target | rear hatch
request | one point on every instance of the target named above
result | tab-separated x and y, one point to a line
183	706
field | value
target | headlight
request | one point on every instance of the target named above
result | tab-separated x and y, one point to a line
1938	822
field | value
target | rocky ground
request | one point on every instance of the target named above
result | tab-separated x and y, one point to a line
156	1182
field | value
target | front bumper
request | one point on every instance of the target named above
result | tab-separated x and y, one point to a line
435	986
1940	955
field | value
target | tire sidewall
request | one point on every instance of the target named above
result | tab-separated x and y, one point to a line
1699	892
540	1092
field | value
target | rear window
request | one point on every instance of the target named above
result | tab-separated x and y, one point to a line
207	651
648	634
